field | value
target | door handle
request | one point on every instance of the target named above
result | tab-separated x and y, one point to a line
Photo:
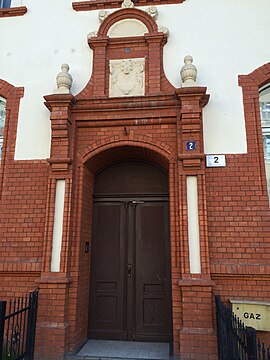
129	270
160	279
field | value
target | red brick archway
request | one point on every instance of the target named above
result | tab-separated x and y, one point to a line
141	147
117	152
94	130
99	155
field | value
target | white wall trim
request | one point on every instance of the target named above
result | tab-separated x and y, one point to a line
58	225
193	225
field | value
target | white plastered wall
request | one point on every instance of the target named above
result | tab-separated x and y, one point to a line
225	37
15	3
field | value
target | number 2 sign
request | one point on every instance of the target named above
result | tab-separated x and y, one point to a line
191	145
215	160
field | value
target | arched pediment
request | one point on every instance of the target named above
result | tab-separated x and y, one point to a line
128	56
131	22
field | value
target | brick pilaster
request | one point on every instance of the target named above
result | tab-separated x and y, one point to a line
155	46
53	326
197	338
99	46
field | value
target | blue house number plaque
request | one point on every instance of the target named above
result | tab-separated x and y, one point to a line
191	145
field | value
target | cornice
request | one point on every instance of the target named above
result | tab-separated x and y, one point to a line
15	11
105	104
109	4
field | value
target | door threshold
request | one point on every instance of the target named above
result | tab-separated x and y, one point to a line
77	357
122	350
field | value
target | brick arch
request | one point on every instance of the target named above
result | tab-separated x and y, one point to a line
5	88
250	86
128	14
258	77
8	91
96	154
12	95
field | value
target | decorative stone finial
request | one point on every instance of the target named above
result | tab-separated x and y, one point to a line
92	34
152	11
165	30
188	72
127	4
102	15
63	80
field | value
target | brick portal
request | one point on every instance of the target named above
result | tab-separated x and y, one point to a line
91	131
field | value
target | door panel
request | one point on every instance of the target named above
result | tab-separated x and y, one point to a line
153	284
107	272
130	293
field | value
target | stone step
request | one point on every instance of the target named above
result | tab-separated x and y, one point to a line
121	350
78	357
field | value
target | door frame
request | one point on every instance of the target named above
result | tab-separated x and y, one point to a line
129	294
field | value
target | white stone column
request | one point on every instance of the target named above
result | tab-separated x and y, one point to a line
193	225
58	225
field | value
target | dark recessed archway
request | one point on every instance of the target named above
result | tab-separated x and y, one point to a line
124	153
130	281
132	177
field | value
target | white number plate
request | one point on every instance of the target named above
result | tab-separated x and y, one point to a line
215	160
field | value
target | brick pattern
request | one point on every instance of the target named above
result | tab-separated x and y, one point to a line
16	283
22	206
22	214
238	213
237	199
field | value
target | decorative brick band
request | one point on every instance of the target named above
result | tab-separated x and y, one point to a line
239	269
54	279
109	4
16	11
196	282
20	267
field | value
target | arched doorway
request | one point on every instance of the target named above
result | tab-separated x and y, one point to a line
130	281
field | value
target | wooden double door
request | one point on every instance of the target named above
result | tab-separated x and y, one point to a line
130	291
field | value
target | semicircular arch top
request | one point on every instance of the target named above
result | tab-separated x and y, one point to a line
135	21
